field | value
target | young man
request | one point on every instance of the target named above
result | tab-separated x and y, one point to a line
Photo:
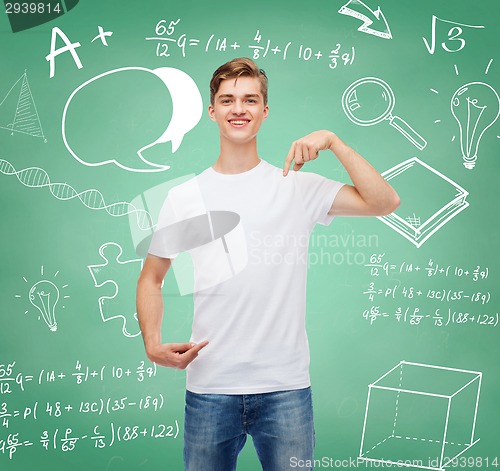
248	359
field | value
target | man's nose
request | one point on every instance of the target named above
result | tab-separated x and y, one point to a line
238	107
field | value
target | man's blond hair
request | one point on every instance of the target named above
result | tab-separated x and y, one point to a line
240	67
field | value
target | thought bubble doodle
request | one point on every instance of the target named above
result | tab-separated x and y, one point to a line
117	115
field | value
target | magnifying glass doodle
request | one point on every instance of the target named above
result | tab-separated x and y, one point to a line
370	101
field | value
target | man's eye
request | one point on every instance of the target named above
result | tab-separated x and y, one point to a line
251	100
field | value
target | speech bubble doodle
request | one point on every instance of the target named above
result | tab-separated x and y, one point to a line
187	108
187	105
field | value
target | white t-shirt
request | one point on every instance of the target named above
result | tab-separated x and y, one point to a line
254	316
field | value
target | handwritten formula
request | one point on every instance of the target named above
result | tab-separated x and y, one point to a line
67	440
168	38
442	294
115	417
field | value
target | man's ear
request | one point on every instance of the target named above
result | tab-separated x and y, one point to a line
211	112
266	111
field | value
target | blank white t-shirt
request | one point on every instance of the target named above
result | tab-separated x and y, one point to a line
255	319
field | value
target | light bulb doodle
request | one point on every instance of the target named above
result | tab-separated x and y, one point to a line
44	295
475	106
370	101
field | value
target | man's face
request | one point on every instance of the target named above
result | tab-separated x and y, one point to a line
239	109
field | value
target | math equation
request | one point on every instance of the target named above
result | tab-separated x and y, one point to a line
169	37
78	418
412	293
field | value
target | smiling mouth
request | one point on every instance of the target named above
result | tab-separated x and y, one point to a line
238	122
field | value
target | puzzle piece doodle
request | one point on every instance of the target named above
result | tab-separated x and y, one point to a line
121	274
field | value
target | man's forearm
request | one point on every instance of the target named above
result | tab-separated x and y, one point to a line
371	195
368	182
150	312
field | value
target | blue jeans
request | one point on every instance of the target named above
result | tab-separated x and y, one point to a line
280	424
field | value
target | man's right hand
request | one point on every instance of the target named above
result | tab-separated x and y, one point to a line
175	355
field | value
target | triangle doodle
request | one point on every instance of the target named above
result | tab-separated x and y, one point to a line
18	111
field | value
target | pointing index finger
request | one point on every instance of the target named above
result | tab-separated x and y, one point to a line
197	347
288	160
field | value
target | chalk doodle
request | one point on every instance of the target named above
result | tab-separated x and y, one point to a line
102	35
370	101
453	35
35	177
167	36
476	107
45	295
374	21
187	109
422	213
126	272
420	405
23	116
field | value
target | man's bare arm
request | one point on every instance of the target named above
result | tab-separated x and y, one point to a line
150	312
370	194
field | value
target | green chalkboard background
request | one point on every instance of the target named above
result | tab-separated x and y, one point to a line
57	217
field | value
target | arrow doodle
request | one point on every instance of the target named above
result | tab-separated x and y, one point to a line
357	9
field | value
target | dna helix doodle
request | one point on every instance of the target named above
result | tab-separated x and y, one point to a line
36	177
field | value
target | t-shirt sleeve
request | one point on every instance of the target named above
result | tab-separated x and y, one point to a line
317	194
158	245
183	204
